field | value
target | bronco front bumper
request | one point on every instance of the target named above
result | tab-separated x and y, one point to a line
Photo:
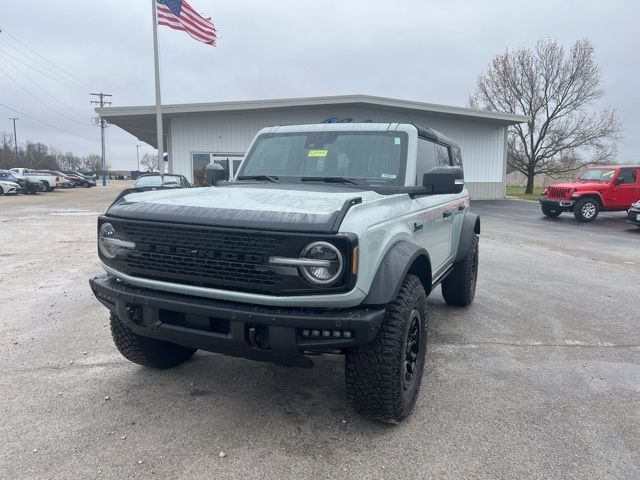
280	335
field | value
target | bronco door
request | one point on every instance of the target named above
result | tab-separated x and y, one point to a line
433	220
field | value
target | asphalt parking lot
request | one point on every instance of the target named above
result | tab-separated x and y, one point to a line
539	378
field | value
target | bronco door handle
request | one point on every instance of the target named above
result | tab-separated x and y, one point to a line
461	207
446	214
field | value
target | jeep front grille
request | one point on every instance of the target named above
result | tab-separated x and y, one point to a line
558	192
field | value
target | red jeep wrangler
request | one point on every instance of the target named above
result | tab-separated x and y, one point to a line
612	188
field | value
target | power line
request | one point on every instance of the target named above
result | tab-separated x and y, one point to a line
42	65
31	94
43	72
47	124
85	120
2	30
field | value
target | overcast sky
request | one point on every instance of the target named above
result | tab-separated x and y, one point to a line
427	51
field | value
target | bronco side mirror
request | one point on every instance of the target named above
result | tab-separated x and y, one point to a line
214	172
442	180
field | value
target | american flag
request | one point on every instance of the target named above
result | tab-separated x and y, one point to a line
179	15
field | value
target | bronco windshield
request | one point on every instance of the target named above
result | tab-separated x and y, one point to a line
598	175
365	158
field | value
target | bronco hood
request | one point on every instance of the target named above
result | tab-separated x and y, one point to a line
302	208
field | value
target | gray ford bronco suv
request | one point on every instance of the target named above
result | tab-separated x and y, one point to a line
328	240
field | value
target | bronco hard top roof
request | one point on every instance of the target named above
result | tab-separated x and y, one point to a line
423	132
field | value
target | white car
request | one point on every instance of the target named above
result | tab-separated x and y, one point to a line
9	188
48	180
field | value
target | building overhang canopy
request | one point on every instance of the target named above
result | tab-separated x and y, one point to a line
140	120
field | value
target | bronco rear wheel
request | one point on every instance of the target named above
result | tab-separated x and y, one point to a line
586	209
147	351
383	378
459	287
550	211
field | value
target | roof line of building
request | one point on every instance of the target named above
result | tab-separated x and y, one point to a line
185	108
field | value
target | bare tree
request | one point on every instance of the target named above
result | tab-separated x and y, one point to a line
93	163
556	90
150	162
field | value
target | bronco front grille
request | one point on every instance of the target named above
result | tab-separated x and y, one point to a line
558	192
202	256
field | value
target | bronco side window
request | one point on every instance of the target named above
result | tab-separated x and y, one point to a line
427	158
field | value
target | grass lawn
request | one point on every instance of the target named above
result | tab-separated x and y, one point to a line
519	192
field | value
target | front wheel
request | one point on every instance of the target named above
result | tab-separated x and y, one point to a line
147	351
383	377
586	209
550	211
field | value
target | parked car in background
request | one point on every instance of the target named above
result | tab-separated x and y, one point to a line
633	214
154	181
611	188
48	180
27	185
80	180
63	180
9	188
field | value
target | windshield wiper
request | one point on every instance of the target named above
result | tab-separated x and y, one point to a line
269	178
329	180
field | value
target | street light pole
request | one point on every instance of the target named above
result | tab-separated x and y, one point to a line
15	136
138	156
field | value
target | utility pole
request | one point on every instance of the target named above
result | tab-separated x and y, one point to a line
15	136
103	124
138	156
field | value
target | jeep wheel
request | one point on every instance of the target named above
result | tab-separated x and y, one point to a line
586	209
383	378
550	211
459	287
147	351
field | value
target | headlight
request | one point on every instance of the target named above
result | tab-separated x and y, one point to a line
109	244
329	263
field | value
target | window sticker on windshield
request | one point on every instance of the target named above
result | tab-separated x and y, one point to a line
318	153
396	141
387	175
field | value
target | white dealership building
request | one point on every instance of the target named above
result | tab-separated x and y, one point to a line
199	133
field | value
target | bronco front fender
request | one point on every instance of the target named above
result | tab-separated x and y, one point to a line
402	258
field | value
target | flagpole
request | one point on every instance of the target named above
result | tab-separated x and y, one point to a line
156	59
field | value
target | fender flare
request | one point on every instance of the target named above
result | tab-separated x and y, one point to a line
590	194
470	227
396	264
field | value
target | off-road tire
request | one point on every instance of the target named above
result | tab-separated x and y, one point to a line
550	212
147	351
459	288
376	374
586	209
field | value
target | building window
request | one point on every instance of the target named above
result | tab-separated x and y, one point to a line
201	160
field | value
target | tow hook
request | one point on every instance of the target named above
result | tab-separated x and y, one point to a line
255	336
